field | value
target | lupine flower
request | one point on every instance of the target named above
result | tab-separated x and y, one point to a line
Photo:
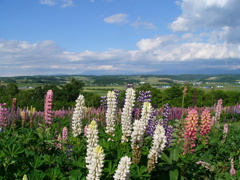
146	113
144	96
218	110
25	177
123	169
96	164
225	132
126	116
3	115
117	97
191	123
137	138
23	116
69	151
78	116
205	124
206	165
64	134
111	111
225	129
59	144
14	112
92	142
139	129
158	144
168	129
103	102
152	122
85	130
232	170
31	114
48	107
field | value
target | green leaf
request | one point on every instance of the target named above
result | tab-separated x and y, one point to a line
165	158
173	174
199	147
174	154
37	162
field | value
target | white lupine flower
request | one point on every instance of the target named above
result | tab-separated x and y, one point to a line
111	111
78	116
126	116
96	165
159	143
92	142
123	170
146	113
137	134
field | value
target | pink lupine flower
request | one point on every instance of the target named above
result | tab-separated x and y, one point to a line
191	123
64	134
225	132
59	145
205	124
48	107
3	115
225	129
213	120
232	170
218	110
206	165
85	130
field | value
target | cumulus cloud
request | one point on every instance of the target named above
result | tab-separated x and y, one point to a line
151	44
61	3
143	24
208	15
117	18
159	54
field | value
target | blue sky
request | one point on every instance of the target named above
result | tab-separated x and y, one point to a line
43	37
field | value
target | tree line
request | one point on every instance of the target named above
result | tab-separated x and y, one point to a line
65	96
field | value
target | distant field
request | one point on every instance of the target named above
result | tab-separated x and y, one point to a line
100	90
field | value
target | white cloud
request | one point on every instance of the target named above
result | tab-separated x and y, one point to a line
67	3
139	23
23	58
151	44
61	3
48	2
209	15
117	18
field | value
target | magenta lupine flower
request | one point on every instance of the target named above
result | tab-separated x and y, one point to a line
48	107
205	124
64	134
191	123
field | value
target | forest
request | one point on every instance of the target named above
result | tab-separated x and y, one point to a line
66	94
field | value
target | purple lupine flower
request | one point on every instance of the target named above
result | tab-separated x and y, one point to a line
152	123
144	96
117	93
129	85
168	129
48	107
103	102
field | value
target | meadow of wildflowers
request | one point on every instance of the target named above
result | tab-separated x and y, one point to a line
137	141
